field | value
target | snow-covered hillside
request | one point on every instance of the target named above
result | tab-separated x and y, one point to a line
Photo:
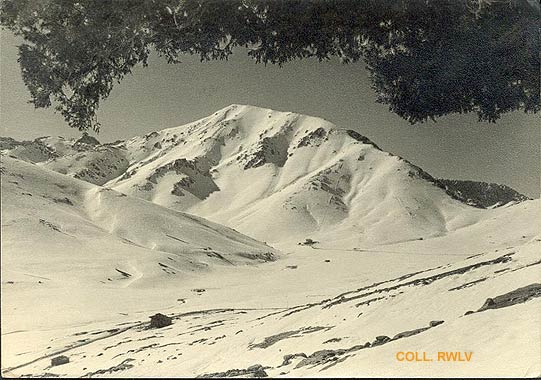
76	216
58	231
275	176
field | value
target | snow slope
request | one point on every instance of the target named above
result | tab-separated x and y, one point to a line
324	313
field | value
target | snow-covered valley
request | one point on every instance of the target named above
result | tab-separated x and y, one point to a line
279	244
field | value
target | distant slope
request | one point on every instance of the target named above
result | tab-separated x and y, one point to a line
84	159
482	194
61	228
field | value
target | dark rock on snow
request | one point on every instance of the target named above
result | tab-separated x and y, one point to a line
59	360
159	320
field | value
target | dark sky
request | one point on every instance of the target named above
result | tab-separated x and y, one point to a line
162	96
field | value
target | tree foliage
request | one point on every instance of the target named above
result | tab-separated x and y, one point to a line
426	58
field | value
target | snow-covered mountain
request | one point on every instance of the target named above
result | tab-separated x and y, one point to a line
272	175
96	239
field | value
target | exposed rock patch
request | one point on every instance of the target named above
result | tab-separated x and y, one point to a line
254	371
270	340
481	194
514	297
197	179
